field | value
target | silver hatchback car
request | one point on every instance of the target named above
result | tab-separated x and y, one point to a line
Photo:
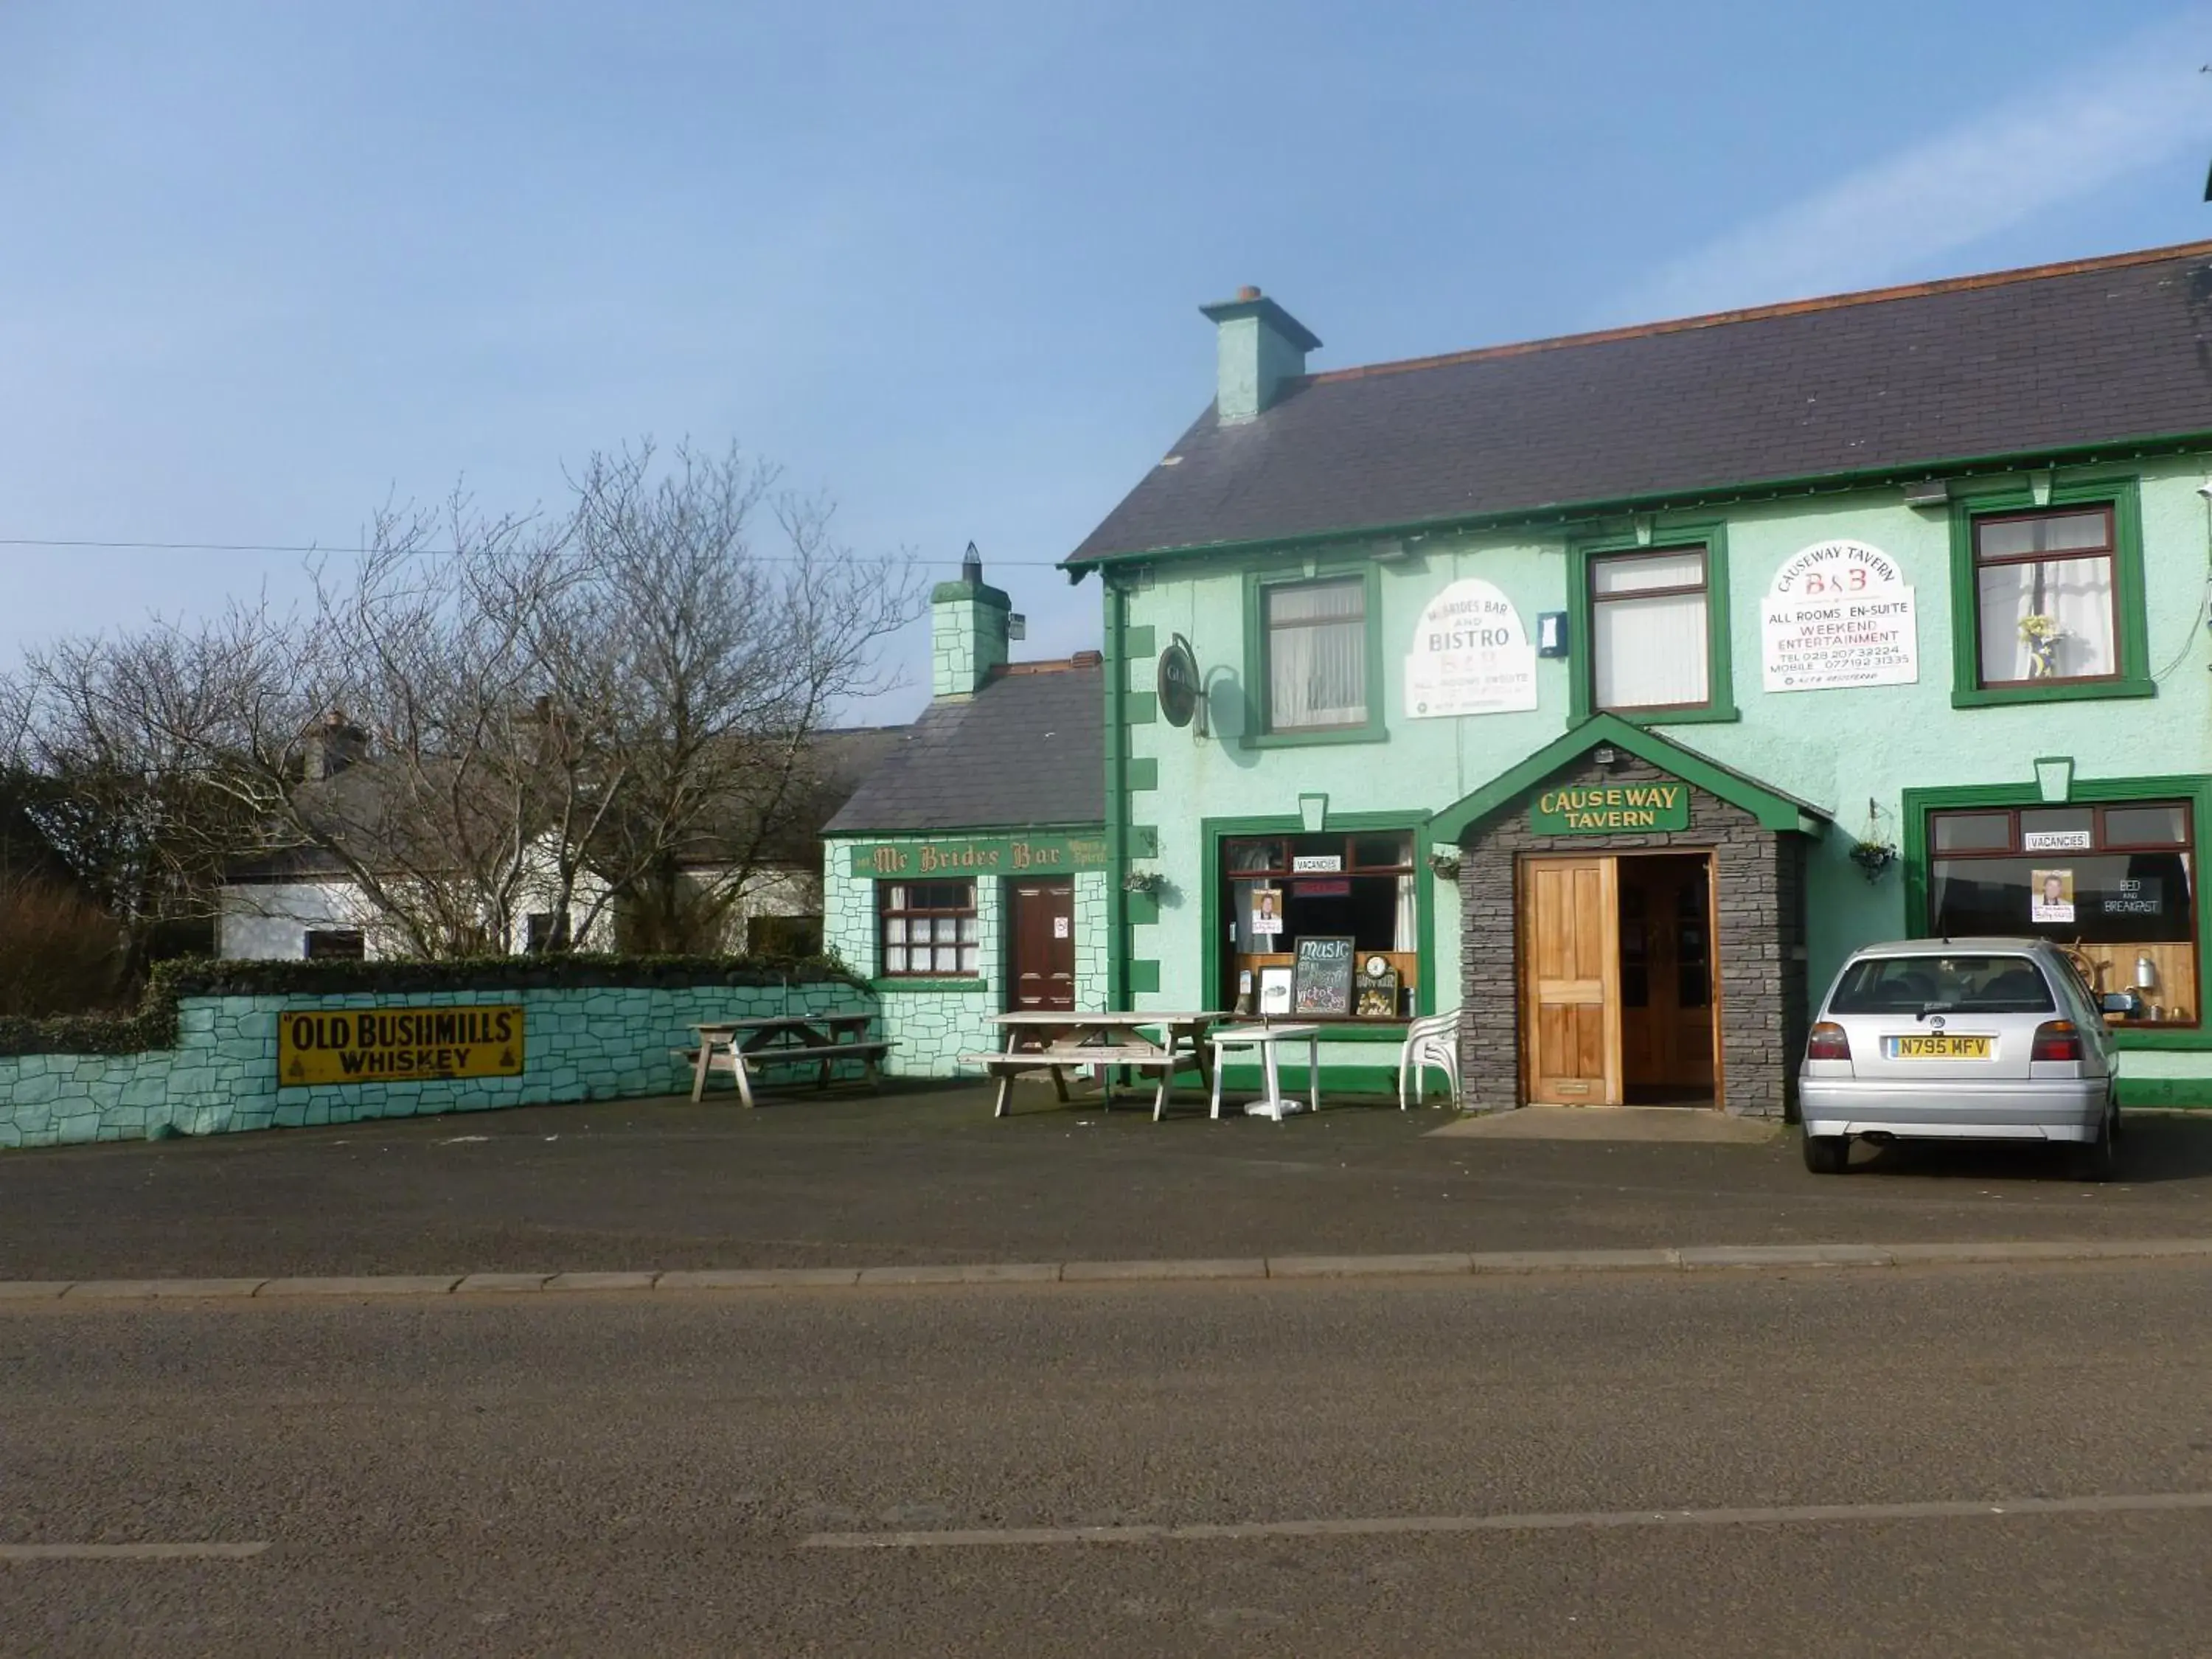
1962	1039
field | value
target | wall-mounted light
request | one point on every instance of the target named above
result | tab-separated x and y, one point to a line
1606	755
1929	492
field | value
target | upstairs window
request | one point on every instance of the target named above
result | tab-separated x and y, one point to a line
2046	598
1316	651
1650	624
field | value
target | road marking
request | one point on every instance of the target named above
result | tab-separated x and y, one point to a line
1594	1520
130	1552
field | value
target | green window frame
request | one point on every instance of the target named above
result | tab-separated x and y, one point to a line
1214	835
1712	537
2195	789
2131	633
1260	729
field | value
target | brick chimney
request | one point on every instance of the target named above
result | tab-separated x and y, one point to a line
1260	345
333	742
967	631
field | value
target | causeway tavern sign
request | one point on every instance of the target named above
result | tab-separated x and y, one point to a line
394	1045
968	856
1611	809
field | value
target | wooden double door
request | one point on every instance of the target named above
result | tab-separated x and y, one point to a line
1617	978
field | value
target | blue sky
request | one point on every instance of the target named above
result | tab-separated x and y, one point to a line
265	262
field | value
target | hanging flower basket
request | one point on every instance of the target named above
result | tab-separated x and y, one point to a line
1873	857
1145	881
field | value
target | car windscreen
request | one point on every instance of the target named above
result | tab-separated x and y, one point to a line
1966	983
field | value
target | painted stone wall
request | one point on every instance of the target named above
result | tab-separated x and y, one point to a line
584	1043
934	1021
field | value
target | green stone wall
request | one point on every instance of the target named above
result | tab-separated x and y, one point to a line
933	1022
583	1043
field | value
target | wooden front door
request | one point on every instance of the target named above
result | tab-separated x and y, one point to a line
1571	980
1044	944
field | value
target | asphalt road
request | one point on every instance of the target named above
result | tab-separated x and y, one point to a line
928	1177
631	1475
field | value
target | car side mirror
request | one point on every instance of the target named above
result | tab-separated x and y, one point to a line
2121	1002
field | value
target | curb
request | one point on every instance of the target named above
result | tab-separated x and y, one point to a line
1692	1258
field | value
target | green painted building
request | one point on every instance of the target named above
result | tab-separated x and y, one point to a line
1609	689
968	875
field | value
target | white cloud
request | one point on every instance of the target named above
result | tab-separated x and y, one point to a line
2137	106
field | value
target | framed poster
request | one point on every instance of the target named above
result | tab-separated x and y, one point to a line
1274	990
1375	991
1267	912
1321	974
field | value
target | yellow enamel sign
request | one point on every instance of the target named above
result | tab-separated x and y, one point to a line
391	1045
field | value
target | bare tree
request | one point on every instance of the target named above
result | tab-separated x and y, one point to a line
601	715
729	626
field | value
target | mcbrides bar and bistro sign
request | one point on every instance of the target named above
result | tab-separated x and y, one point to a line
391	1045
970	856
1611	809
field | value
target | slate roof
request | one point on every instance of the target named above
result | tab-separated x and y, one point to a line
2053	358
1029	748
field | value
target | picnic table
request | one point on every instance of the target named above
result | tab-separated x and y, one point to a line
1054	1040
741	1047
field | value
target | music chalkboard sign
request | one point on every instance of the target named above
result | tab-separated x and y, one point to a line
1320	975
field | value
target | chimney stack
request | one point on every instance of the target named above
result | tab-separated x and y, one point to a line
1260	345
967	632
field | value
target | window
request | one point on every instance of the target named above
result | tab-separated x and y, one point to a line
1650	638
1277	888
1317	654
928	928
1965	984
2115	885
335	944
2046	597
783	936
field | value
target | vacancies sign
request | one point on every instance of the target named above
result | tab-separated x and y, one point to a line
398	1045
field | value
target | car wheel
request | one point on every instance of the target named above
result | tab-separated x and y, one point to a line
1827	1154
2092	1160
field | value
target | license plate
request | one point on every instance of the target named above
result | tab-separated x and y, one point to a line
1935	1047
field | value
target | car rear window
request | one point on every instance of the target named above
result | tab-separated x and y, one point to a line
1912	985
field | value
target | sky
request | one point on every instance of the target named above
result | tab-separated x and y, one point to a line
265	265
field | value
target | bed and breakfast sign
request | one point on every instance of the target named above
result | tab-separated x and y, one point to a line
1838	613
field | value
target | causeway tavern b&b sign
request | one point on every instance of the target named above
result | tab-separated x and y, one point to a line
397	1045
1611	809
967	855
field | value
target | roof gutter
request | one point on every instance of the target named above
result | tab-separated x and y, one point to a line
1819	483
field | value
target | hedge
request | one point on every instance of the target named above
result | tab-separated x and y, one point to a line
154	1024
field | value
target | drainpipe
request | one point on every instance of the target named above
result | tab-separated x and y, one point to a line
1117	792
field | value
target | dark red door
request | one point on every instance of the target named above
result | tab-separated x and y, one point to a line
1044	944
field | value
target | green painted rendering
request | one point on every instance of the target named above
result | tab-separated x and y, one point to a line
1837	766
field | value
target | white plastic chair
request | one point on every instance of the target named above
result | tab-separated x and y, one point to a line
1433	1040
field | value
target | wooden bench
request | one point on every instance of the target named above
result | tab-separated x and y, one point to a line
739	1063
1057	1058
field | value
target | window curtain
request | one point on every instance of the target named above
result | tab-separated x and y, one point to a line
1318	655
1648	653
1405	933
2075	594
